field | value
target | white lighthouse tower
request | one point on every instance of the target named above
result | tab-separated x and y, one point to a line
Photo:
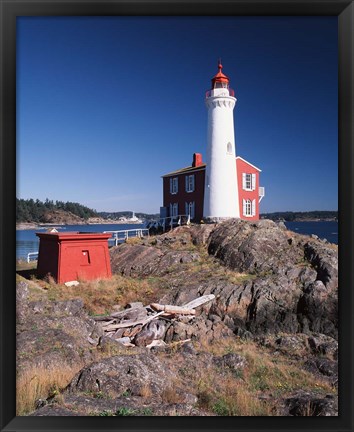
221	191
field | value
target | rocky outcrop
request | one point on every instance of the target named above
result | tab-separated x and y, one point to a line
288	282
119	375
52	332
275	289
310	405
260	247
61	217
142	260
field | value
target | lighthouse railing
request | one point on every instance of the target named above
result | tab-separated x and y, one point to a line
121	236
209	92
171	222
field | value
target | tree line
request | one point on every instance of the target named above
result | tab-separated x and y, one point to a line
33	210
298	216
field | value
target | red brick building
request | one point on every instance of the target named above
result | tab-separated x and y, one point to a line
183	190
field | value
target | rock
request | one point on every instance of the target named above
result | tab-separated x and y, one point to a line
134	305
292	343
231	361
243	334
132	405
254	247
108	344
47	347
320	307
72	283
144	338
307	404
22	294
200	329
324	345
119	374
325	260
55	410
55	333
200	233
325	366
141	260
59	308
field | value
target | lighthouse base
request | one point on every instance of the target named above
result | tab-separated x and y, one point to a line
215	219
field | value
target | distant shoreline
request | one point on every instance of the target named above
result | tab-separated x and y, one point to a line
314	220
34	225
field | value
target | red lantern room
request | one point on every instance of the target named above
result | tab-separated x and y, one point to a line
71	256
220	81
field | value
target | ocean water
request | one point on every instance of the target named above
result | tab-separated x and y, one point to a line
324	230
27	241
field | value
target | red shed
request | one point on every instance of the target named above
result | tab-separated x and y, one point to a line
74	255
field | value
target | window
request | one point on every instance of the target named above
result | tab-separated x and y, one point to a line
248	181
173	185
229	148
249	207
174	209
190	183
190	209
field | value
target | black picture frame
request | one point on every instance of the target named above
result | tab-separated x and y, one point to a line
10	9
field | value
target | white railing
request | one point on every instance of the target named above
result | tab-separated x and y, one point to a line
261	193
31	254
123	235
173	221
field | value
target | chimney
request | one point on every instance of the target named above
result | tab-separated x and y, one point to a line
197	160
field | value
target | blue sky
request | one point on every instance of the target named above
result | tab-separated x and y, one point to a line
106	105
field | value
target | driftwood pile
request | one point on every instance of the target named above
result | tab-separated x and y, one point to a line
140	325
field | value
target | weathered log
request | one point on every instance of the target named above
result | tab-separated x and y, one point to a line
102	318
199	301
181	342
131	332
118	333
157	342
170	309
132	314
131	324
134	305
107	323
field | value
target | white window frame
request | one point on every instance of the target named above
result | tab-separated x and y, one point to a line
249	207
190	209
248	181
173	185
175	209
190	183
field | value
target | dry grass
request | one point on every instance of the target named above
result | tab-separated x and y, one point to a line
146	392
99	295
40	383
237	393
170	395
226	396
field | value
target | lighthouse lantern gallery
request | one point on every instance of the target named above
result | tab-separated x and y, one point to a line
225	186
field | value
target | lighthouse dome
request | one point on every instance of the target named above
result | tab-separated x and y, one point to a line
220	85
219	78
